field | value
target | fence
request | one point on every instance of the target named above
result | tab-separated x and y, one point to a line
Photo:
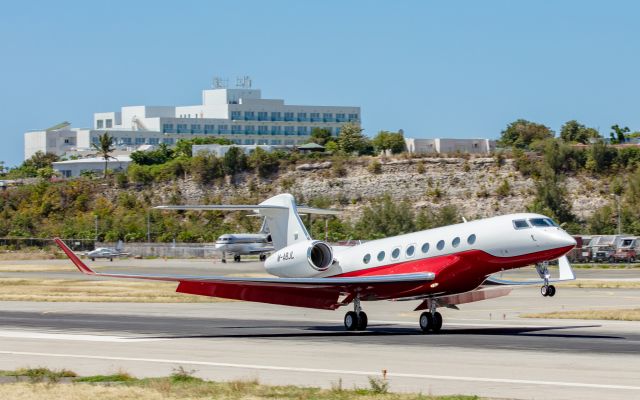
20	243
174	250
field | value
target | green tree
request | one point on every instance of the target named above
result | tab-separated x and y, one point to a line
104	147
522	133
183	146
385	217
392	141
321	136
234	161
351	139
551	197
617	134
575	132
151	157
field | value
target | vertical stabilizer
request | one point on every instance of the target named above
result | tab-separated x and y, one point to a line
284	224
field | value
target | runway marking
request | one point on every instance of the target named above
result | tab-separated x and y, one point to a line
330	371
73	337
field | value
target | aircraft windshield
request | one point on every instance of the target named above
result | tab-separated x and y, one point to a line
542	222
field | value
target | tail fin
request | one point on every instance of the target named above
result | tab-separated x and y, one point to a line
284	223
264	228
119	245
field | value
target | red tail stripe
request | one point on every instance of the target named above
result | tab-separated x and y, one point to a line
72	256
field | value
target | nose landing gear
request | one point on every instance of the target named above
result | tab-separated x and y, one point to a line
543	271
357	319
431	320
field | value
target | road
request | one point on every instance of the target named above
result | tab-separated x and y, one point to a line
484	349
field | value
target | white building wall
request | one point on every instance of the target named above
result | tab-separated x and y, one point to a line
449	146
74	168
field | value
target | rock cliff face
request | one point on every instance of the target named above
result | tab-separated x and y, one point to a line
478	187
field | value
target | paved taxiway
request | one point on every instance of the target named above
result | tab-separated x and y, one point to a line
484	349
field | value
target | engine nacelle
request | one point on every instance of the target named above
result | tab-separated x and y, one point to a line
300	260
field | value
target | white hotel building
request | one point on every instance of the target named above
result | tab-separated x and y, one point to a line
241	115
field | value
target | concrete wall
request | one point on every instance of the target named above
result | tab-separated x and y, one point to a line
449	146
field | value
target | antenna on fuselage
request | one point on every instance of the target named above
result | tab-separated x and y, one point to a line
464	220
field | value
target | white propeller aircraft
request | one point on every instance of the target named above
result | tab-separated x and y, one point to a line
442	267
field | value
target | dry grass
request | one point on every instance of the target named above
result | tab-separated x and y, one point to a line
37	268
16	289
596	284
610	315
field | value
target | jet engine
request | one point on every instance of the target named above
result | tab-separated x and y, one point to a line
300	260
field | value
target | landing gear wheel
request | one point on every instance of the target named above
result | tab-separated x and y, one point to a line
544	290
437	322
351	321
224	260
363	320
236	258
426	321
551	291
263	257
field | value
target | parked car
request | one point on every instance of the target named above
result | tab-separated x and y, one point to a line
626	251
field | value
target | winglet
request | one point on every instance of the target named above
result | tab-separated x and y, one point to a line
72	256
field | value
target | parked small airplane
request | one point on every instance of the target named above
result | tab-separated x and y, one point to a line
107	252
241	244
440	267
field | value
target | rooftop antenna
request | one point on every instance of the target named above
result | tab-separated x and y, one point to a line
243	82
219	83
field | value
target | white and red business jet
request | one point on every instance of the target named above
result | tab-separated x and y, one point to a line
442	266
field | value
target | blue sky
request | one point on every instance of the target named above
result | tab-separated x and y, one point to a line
434	69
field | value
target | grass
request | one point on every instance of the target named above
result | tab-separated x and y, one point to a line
609	315
607	266
598	284
183	385
56	290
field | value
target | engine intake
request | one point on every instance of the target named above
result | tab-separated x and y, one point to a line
304	259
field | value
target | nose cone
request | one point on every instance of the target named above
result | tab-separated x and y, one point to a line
220	246
563	239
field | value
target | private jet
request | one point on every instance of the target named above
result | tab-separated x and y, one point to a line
107	252
240	244
441	267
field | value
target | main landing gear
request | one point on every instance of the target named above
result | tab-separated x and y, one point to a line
263	257
543	271
431	320
356	320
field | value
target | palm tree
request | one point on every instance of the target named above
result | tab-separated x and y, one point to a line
104	147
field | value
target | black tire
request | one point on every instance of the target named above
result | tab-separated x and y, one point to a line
111	259
544	290
236	258
263	257
351	321
437	322
426	321
551	291
93	259
363	320
224	260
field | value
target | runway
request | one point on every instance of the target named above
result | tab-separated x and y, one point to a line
485	348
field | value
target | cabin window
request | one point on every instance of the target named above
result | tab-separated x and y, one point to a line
366	258
440	245
381	256
425	247
471	239
521	224
456	242
395	253
410	250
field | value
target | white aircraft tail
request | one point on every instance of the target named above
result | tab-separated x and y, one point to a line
280	217
119	245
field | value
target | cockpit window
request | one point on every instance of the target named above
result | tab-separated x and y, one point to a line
520	224
541	222
550	221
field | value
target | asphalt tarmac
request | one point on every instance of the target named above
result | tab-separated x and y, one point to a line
485	348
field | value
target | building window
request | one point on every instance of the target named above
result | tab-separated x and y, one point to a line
139	141
154	140
95	139
336	132
126	140
99	124
235	115
276	142
249	116
289	142
236	128
440	245
289	130
302	131
471	239
275	116
263	116
381	256
327	117
425	247
340	118
263	130
195	128
249	141
168	141
263	141
223	129
108	123
167	128
366	258
276	130
288	116
302	117
249	129
315	117
456	242
208	128
353	117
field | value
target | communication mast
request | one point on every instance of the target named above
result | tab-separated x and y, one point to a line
243	82
219	83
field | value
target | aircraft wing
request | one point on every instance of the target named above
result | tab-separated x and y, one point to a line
300	292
